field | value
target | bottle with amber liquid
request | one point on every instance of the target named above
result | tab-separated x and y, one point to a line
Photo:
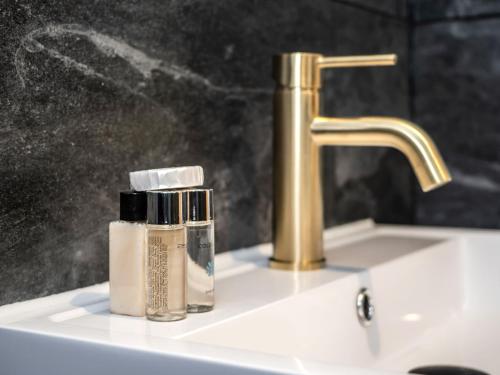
166	256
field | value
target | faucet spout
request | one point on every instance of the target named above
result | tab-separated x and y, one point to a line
403	135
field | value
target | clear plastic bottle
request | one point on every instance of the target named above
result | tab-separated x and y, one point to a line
200	249
166	256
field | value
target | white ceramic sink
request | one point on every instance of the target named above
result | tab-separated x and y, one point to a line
435	293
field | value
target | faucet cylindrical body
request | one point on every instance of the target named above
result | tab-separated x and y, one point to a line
298	211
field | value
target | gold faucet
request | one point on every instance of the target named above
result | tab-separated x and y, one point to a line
299	133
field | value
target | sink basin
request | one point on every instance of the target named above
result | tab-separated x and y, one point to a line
434	292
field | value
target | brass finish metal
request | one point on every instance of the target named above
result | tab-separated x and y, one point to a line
357	61
299	134
403	135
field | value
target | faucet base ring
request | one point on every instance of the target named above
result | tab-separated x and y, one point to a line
292	266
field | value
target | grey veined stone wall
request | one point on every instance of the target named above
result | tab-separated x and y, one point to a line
90	90
456	79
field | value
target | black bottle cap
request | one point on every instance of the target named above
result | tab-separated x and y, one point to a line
166	207
200	205
133	205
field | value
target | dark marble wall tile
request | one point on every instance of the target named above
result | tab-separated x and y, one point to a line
457	86
396	8
437	10
92	90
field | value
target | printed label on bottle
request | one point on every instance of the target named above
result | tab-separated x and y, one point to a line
166	270
157	272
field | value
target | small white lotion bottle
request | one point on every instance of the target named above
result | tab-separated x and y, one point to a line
127	256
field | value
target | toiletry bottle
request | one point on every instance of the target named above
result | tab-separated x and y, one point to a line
200	249
127	249
166	256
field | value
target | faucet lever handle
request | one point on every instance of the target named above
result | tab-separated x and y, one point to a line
356	61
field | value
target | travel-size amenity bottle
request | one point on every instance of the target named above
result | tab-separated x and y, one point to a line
127	249
200	249
166	256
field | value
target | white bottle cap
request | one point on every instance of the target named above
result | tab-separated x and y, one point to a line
166	178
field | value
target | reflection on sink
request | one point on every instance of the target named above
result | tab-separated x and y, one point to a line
432	291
